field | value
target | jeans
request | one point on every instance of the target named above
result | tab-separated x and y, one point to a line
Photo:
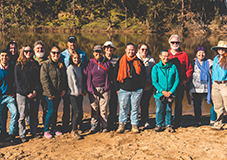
22	103
76	102
10	103
178	106
144	104
66	110
112	106
163	113
197	101
129	99
51	116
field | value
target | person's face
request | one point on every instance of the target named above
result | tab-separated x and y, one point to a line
200	55
13	49
130	51
108	50
4	57
39	48
27	52
97	54
143	50
76	59
164	57
55	54
221	51
72	45
174	43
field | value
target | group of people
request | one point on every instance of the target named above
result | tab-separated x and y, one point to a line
28	80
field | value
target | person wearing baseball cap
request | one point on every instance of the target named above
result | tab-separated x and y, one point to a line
65	56
219	83
109	48
99	76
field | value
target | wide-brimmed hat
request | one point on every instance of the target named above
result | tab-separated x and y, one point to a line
109	43
221	44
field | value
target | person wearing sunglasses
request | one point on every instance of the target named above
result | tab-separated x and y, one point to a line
109	48
144	55
181	60
53	80
27	88
99	77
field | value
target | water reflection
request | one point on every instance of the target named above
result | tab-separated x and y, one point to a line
86	42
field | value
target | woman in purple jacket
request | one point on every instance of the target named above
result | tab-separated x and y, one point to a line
99	75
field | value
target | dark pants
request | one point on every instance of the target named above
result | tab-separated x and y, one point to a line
76	102
51	116
44	106
66	110
112	106
178	106
144	105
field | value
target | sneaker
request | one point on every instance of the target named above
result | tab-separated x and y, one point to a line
57	132
23	140
217	126
158	129
93	128
76	135
170	129
47	134
147	125
135	129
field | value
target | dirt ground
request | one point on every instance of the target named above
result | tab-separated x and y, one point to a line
186	143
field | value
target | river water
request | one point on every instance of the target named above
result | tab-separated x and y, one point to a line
86	42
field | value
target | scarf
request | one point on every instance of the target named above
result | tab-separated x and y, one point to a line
124	69
205	77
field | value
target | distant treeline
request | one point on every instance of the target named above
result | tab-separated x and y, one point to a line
154	15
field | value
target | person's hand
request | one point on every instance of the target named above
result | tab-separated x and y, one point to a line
166	94
30	95
117	92
83	94
34	93
51	98
62	93
183	82
11	95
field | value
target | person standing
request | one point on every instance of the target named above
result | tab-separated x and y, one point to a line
53	80
65	56
27	89
219	83
181	60
165	79
109	48
7	95
76	91
144	55
129	80
40	57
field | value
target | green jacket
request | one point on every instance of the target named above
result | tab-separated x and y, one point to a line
53	78
164	78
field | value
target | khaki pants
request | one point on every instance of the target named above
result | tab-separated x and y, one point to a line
219	97
99	103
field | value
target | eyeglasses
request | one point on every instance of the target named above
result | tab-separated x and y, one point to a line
143	49
175	42
26	51
55	52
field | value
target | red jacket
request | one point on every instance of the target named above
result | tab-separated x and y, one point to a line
181	60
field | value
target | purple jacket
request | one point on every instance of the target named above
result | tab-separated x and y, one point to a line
97	76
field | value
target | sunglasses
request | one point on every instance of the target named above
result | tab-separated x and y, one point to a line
26	51
175	42
144	49
55	52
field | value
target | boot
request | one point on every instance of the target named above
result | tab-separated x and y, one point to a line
121	128
135	129
76	135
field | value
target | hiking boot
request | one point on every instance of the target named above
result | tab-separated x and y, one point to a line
147	125
105	130
93	128
217	126
121	128
170	129
57	132
76	135
135	129
23	139
158	129
47	134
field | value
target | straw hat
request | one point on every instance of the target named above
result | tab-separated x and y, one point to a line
221	44
109	43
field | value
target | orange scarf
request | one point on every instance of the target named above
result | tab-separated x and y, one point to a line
124	69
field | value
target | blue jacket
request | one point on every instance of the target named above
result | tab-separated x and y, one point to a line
164	78
218	73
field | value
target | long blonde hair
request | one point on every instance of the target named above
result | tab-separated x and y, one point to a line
23	60
222	62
